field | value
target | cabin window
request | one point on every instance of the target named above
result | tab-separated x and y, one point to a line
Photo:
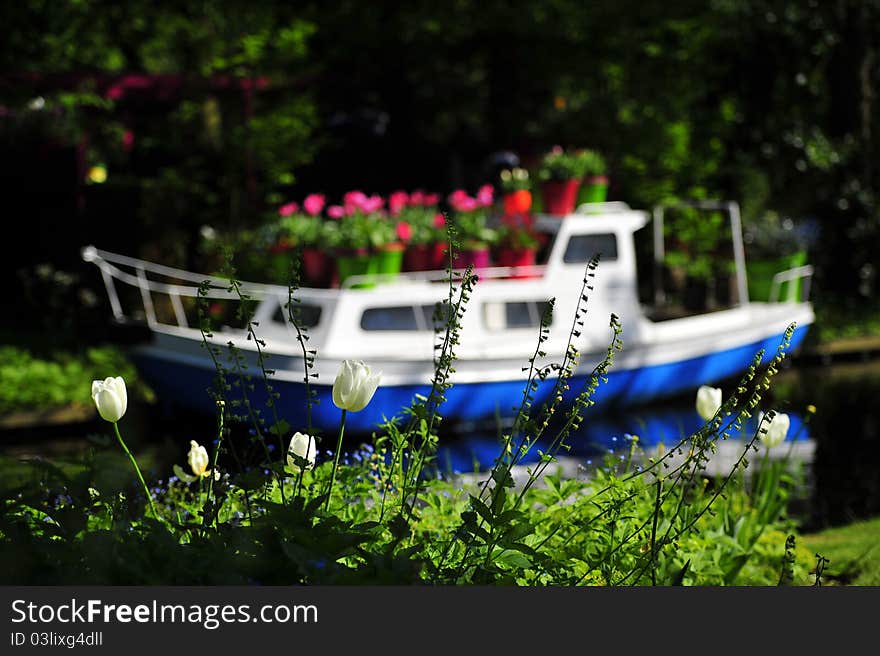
513	314
308	315
404	317
581	248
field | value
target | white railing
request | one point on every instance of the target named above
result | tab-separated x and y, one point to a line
150	278
790	275
442	275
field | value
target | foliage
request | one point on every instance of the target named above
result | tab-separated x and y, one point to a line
515	179
852	551
32	382
559	165
390	519
592	163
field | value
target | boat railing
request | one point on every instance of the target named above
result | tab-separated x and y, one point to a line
804	273
150	278
366	281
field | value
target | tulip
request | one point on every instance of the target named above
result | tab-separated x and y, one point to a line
110	398
776	430
708	401
404	231
336	211
397	201
301	445
197	458
354	386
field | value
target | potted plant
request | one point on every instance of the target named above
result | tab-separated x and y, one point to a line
426	245
516	246
516	187
560	175
471	224
594	182
305	230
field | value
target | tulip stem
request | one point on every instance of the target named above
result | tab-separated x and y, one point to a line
136	469
335	460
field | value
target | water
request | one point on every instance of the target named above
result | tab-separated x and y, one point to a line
838	445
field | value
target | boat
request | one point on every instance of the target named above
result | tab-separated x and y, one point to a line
388	324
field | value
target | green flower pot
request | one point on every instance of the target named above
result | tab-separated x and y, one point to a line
356	263
389	260
593	190
760	274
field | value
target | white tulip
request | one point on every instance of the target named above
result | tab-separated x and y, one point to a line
354	386
776	430
301	445
708	401
197	458
110	398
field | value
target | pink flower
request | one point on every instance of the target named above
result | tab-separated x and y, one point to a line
336	211
439	220
313	204
397	201
372	204
485	195
431	199
459	201
417	198
353	201
404	231
288	209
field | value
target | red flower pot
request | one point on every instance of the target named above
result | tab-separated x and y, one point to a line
425	257
317	267
560	197
516	257
480	257
517	202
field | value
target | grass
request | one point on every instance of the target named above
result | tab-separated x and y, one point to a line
853	551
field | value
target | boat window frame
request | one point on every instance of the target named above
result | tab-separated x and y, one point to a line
605	256
422	313
535	309
285	321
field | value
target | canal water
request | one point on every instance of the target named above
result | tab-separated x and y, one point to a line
838	446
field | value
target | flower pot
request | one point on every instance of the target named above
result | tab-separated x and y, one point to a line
760	274
593	189
317	267
516	257
389	260
517	202
278	263
560	197
425	257
356	263
480	257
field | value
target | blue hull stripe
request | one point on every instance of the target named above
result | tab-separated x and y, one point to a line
188	386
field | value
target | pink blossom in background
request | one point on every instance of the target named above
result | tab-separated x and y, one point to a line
128	139
404	231
372	204
457	199
439	220
353	201
288	209
313	204
431	199
467	204
485	195
417	198
336	211
397	201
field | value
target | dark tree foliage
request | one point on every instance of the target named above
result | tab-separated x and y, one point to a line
771	103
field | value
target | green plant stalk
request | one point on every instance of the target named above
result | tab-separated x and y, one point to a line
335	460
136	469
221	411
